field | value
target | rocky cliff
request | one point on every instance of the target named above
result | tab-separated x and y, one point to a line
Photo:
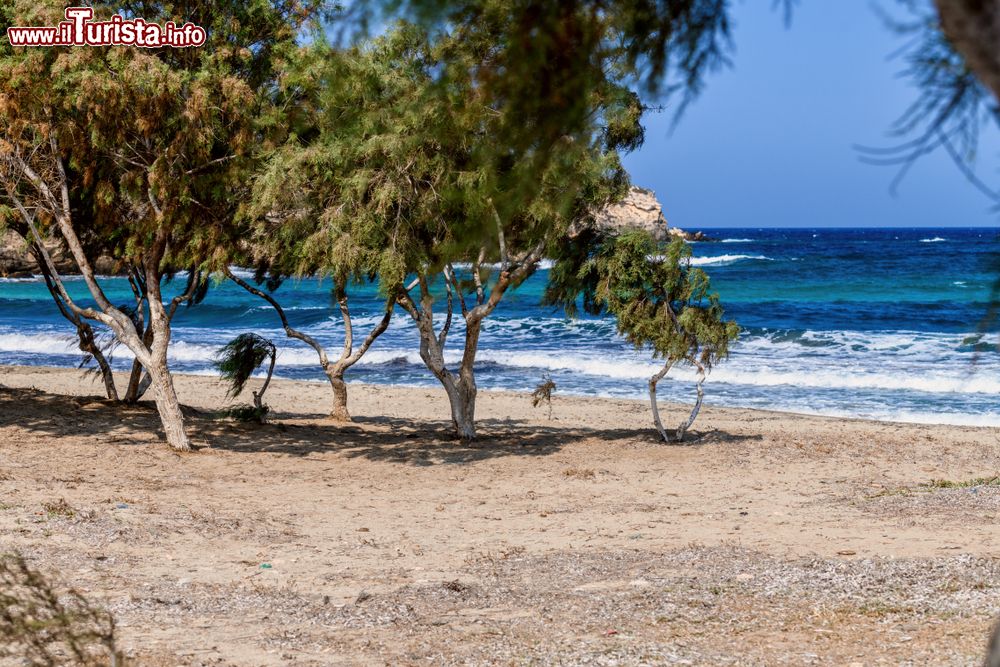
641	210
16	261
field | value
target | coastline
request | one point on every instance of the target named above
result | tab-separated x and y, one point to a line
308	399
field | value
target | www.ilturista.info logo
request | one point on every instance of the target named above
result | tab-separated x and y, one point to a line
79	30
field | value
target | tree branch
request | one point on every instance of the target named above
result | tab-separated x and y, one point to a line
289	331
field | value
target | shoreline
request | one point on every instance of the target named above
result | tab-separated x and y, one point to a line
54	377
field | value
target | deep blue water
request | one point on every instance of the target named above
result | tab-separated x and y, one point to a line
861	322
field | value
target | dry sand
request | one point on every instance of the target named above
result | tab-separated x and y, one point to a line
768	539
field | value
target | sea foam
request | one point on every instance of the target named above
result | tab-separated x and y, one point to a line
723	260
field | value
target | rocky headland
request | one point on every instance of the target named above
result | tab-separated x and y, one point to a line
641	210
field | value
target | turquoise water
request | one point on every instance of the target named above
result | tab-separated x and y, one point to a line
870	323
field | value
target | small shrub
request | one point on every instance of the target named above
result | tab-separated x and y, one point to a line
59	508
43	627
543	393
248	413
964	484
236	362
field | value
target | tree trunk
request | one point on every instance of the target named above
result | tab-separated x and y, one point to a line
993	648
132	393
652	399
168	407
90	346
338	410
350	356
462	398
85	332
463	403
258	396
154	356
159	324
686	424
461	390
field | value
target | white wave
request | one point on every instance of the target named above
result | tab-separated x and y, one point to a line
26	279
854	342
736	241
989	419
928	382
936	239
542	264
39	344
630	367
65	279
723	260
239	272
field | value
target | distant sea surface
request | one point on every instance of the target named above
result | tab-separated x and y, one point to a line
871	323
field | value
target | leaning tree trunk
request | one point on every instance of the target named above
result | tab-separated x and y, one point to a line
653	381
89	345
686	424
139	382
85	333
162	380
258	396
168	407
139	379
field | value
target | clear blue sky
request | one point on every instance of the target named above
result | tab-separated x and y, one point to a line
770	143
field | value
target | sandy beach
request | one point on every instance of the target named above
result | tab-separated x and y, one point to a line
767	539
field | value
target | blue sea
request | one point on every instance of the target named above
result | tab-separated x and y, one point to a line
871	323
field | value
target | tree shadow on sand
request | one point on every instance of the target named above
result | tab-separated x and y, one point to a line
427	442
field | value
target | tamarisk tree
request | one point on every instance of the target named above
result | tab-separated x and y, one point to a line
412	187
162	139
297	219
659	302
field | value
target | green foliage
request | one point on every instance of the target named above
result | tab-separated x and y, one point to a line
240	357
158	144
400	172
43	626
658	299
548	55
248	413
